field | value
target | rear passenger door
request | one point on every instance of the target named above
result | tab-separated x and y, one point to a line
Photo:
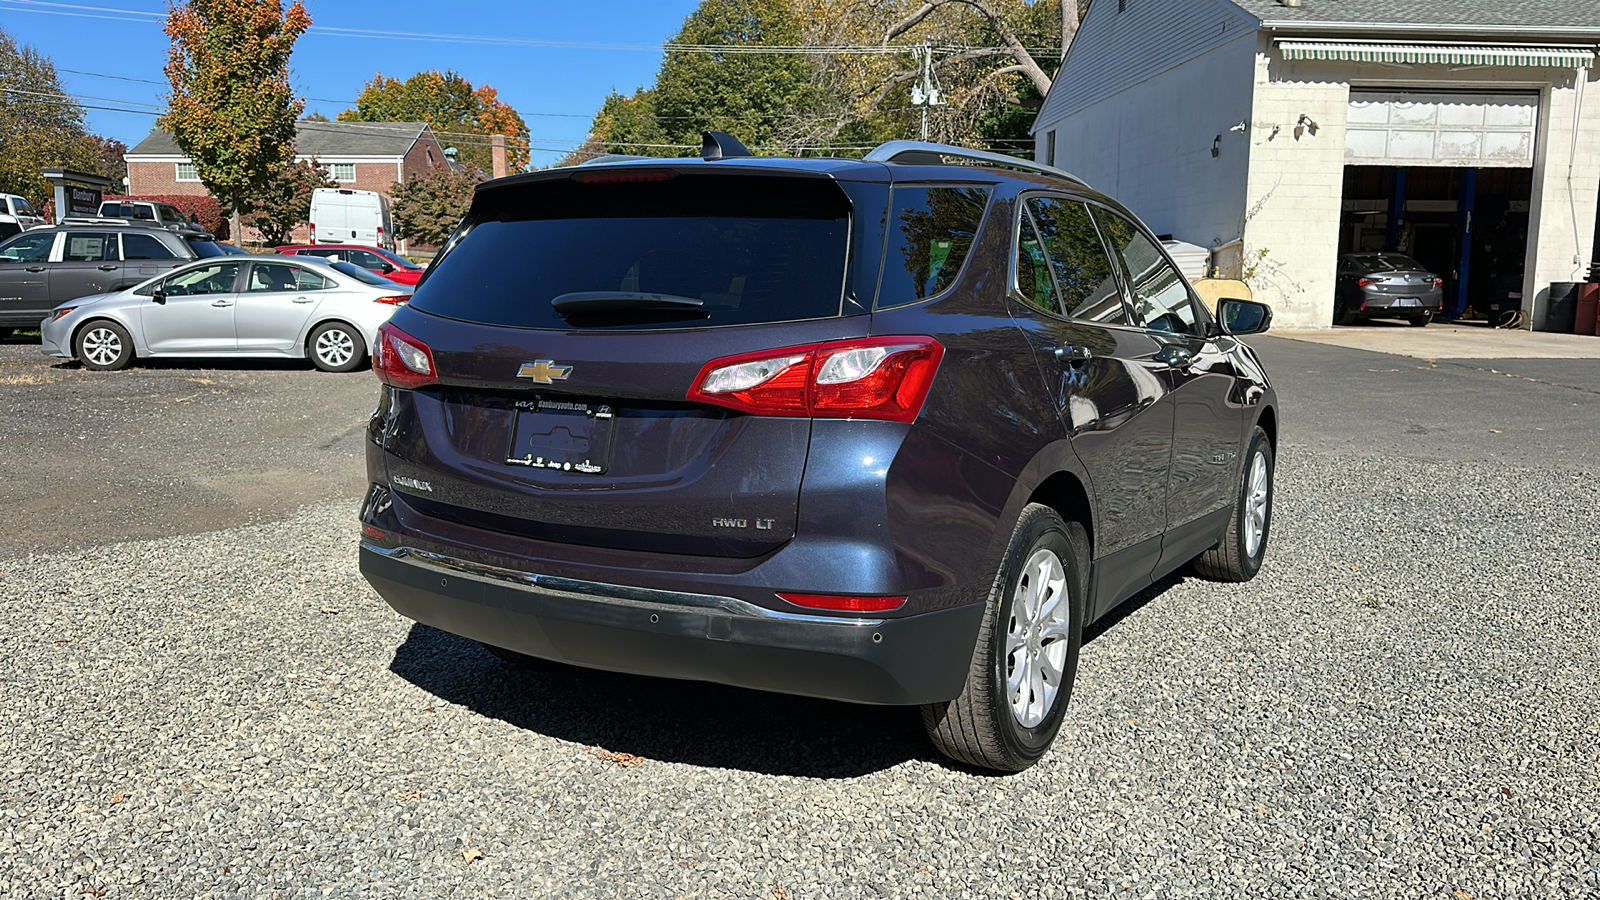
275	306
1208	420
1108	385
89	265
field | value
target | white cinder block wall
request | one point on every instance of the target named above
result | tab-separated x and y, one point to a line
1566	181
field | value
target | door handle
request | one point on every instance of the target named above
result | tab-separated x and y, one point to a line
1176	357
222	303
36	268
108	268
302	299
1072	353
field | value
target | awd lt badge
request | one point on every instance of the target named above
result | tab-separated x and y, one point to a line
544	371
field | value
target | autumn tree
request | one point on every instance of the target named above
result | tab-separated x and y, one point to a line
428	207
42	127
286	201
232	111
461	115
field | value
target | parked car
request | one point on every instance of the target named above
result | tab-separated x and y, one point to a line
44	267
231	306
1385	286
348	216
392	266
888	431
149	212
17	215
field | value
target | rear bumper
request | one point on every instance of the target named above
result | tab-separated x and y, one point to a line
901	661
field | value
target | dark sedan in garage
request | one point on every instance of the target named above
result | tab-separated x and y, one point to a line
1385	286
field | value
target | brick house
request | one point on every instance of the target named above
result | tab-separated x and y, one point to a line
368	156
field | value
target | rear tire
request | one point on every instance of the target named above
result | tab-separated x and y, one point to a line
336	347
1341	313
103	345
1238	556
1026	657
1420	321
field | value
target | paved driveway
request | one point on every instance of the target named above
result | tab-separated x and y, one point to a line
1403	704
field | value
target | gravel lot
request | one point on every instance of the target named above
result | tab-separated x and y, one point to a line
1405	703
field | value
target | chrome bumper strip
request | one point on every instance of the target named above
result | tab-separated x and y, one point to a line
600	592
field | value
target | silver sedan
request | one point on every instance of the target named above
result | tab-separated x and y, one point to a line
231	306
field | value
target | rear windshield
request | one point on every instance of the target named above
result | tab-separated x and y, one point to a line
206	249
749	248
1387	262
361	275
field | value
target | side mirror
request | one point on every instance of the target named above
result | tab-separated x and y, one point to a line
158	296
1243	316
388	267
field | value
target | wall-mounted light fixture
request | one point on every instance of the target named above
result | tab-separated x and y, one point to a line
1242	127
1304	124
1216	146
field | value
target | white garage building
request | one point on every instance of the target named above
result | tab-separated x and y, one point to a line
1465	133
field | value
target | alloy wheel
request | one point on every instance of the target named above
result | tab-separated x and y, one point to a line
335	347
1257	503
1036	638
102	346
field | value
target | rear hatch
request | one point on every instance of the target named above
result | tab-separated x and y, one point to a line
568	320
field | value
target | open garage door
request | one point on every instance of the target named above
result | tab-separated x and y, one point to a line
1441	128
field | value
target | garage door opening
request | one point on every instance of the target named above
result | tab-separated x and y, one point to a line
1469	226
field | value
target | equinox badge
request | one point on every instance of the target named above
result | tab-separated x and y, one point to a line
544	371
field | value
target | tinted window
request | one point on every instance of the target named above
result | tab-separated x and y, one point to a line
206	249
1386	262
27	248
1034	281
1160	293
143	246
930	235
1079	261
749	248
365	260
21	207
362	275
216	278
266	277
89	247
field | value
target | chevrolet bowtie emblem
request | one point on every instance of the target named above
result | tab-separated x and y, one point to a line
544	371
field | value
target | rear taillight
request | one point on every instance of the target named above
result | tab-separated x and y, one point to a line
1438	282
397	300
402	360
1366	281
313	234
870	378
845	603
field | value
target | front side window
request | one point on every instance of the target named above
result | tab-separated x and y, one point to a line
217	278
185	172
930	235
365	259
27	248
21	207
1079	261
89	247
143	246
1160	293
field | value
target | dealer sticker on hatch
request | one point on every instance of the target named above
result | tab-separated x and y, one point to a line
561	435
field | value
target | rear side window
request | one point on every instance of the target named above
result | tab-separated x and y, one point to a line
930	235
84	247
143	246
1078	260
747	248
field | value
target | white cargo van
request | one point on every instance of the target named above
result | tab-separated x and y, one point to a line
345	216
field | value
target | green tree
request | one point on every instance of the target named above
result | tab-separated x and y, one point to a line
286	201
42	127
232	111
428	207
461	115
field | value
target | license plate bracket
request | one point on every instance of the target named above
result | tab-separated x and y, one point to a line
560	435
1406	301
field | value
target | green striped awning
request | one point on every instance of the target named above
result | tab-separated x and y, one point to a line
1440	54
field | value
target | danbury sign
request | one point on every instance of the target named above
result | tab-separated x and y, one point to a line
76	193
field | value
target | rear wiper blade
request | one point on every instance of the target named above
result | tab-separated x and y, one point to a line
581	302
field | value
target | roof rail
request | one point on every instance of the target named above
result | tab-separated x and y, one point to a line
925	153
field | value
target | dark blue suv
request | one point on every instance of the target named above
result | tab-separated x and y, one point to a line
890	430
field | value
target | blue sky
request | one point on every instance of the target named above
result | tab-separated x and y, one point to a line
554	60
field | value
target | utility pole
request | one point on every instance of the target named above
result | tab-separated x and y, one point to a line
925	92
